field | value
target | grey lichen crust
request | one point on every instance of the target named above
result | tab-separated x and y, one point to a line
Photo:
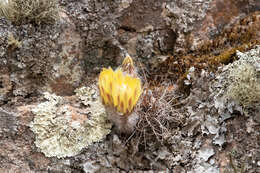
63	129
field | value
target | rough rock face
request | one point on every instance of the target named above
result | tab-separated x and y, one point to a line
166	38
92	34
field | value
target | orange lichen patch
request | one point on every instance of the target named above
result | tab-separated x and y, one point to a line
119	90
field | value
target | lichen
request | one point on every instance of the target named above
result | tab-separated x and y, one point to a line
62	129
245	87
237	85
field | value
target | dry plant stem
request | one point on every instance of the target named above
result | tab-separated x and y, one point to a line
242	170
232	164
156	115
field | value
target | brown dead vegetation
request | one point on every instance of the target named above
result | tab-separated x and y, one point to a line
158	118
30	11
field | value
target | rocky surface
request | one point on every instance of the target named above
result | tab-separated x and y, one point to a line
183	42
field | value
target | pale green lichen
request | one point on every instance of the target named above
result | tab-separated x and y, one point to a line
245	86
244	79
62	130
238	83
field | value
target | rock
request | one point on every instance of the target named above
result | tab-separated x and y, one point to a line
172	42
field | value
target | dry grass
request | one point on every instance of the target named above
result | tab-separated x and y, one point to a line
12	42
30	11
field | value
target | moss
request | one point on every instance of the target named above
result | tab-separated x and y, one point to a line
30	11
224	58
227	55
242	36
63	130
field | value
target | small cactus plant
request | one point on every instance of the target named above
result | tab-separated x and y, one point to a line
120	90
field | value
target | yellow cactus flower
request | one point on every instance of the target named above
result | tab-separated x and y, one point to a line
118	89
128	66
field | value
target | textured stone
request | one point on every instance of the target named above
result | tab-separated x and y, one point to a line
165	38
